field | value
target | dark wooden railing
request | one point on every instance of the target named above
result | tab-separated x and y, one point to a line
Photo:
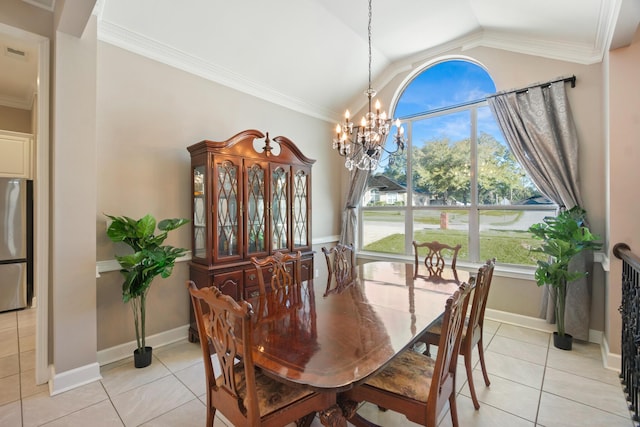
630	312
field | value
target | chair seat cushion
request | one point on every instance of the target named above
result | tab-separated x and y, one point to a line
409	374
272	395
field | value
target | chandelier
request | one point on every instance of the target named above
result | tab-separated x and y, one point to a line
363	146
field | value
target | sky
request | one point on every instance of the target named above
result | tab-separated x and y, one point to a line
443	85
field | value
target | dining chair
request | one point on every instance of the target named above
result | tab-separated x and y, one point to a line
341	266
473	331
412	383
242	393
434	260
285	269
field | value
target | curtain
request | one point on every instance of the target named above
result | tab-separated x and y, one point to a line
357	187
539	128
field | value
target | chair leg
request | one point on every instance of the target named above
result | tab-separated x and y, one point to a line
211	411
472	388
484	368
453	409
427	352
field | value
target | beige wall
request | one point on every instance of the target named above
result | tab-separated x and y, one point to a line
73	189
511	71
15	119
624	158
148	113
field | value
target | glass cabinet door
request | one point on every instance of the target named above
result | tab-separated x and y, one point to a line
256	223
279	213
199	213
300	226
227	211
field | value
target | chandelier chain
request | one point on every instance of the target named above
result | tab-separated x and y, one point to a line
369	40
363	145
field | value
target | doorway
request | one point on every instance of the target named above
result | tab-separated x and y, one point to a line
40	130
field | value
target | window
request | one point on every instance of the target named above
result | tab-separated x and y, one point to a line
461	181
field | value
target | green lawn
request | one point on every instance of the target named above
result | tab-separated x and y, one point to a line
506	246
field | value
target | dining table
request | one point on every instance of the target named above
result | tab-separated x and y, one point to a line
330	336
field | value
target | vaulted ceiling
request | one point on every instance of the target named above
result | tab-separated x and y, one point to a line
311	55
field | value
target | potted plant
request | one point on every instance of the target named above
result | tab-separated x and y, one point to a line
149	259
564	236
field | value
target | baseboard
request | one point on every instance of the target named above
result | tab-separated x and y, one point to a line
64	381
610	360
122	351
534	323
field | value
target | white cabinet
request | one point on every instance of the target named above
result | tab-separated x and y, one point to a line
16	151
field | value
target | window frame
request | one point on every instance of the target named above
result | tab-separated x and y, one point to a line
474	209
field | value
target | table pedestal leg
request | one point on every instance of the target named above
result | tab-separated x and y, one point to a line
333	417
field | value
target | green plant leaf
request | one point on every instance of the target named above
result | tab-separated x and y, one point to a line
148	260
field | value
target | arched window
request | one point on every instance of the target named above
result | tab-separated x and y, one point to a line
463	185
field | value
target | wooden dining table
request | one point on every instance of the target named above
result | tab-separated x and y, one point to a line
330	337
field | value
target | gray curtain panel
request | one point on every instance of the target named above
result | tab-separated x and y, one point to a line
539	128
357	187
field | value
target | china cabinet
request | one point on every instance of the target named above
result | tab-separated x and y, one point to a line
251	197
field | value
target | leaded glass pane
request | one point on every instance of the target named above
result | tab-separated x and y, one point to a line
300	209
279	209
255	209
227	215
199	218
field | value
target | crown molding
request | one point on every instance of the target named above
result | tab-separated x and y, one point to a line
152	49
580	53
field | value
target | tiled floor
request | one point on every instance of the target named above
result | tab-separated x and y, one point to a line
532	384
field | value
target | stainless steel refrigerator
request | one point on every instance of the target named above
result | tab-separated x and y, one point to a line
16	219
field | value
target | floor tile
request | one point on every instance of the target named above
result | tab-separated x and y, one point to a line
41	408
28	360
521	350
28	386
101	414
11	414
557	411
8	342
9	365
193	377
191	414
384	418
9	389
487	416
509	396
27	343
180	355
585	390
524	334
151	400
579	364
513	369
8	320
123	376
490	326
26	322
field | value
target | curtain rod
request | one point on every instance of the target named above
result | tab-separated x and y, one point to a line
571	79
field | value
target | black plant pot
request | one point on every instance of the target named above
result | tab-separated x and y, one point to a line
562	342
142	360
